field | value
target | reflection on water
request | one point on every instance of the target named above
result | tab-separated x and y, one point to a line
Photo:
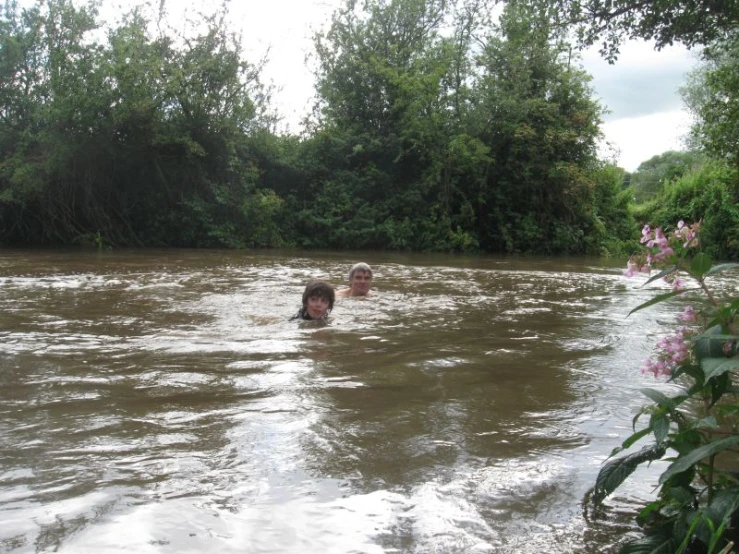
162	402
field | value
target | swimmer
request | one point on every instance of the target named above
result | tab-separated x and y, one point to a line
360	281
318	300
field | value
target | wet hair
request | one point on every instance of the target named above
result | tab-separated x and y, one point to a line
361	266
322	289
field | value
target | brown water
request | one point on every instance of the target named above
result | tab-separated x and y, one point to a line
161	401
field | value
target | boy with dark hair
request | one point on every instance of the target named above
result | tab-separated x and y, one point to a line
318	300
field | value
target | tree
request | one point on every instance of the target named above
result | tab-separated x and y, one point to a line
52	101
689	22
652	174
138	140
393	92
712	95
542	125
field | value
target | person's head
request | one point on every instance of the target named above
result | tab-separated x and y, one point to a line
360	279
318	298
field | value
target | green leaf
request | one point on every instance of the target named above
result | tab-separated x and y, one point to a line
660	275
708	422
663	400
724	504
648	510
661	427
701	265
689	460
693	371
721	267
719	385
656	396
713	367
681	495
653	544
712	520
658	299
633	438
710	344
615	472
717	336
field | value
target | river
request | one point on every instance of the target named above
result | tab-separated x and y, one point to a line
162	401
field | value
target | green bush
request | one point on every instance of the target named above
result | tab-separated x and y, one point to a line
707	194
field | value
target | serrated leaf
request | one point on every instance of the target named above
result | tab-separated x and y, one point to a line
660	426
615	472
659	298
686	462
721	267
713	367
701	264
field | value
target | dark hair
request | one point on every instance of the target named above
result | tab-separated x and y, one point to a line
323	289
315	287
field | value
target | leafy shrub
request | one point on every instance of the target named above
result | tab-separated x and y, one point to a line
695	430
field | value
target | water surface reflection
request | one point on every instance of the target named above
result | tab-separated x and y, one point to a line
162	402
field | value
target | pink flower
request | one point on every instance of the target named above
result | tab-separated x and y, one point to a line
665	252
646	234
689	315
669	353
687	234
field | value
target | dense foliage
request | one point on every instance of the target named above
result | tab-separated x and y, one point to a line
708	194
702	184
137	140
434	130
712	94
653	174
437	127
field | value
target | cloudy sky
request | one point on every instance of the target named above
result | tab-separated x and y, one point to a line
641	92
646	116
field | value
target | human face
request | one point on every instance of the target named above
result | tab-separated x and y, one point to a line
317	307
360	283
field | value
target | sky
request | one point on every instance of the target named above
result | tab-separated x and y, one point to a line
641	90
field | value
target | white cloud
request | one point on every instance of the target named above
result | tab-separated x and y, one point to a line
643	81
641	91
636	139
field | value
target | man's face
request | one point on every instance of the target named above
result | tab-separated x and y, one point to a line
360	283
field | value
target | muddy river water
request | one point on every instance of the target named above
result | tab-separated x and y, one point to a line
161	401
